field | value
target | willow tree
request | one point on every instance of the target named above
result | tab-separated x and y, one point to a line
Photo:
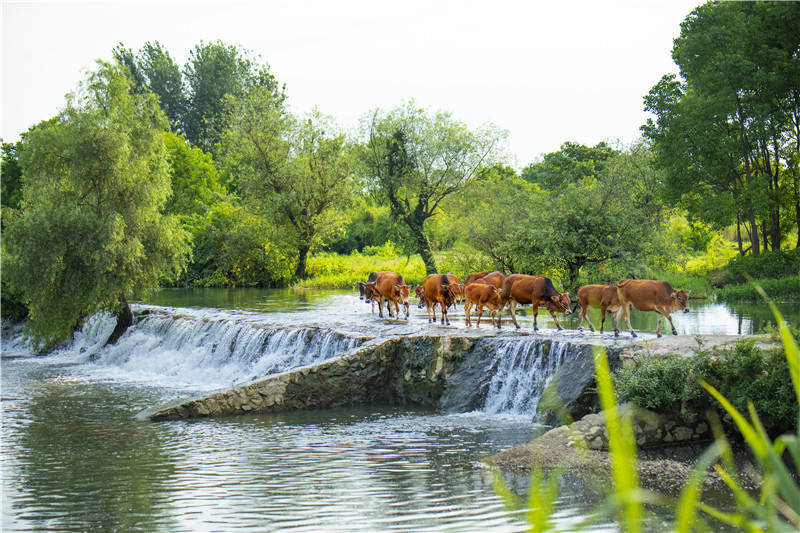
91	234
414	160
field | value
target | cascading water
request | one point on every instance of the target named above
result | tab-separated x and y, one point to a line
192	349
520	372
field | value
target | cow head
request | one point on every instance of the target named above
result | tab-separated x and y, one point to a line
680	300
560	303
495	297
419	292
403	292
369	290
360	290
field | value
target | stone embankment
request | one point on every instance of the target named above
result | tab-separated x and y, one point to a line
409	370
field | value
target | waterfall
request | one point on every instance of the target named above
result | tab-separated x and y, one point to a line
519	373
194	349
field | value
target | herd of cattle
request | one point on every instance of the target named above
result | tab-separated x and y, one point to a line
496	291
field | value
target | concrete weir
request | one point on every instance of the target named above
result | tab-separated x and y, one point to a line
454	372
409	370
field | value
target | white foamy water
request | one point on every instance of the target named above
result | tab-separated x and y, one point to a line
522	368
191	349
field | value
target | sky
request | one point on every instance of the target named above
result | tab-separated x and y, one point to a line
547	72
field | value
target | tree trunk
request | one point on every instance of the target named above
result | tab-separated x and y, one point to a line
300	271
124	321
739	233
423	247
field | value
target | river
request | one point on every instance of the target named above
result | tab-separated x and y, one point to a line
74	458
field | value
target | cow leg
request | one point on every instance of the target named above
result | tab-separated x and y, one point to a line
513	307
658	325
553	314
585	316
396	310
445	320
467	307
480	314
674	331
535	316
624	310
380	308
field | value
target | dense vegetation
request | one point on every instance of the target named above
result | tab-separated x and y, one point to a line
200	176
744	372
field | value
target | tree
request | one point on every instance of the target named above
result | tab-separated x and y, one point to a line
154	69
196	181
730	130
10	170
571	163
213	71
92	234
587	219
297	172
414	161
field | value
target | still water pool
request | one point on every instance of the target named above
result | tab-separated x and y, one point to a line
74	458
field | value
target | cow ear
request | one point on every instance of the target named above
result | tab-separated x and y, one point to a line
674	294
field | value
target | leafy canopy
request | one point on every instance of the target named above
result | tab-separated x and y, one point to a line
92	234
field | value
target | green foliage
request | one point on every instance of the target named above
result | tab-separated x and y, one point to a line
571	164
589	221
196	182
727	134
413	161
769	265
779	290
91	234
11	172
743	373
297	172
334	271
233	249
212	72
154	69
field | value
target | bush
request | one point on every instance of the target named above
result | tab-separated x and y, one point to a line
670	384
768	265
779	290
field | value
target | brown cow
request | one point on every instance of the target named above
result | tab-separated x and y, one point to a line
603	297
365	293
481	295
474	277
419	292
457	287
534	290
650	295
391	287
438	289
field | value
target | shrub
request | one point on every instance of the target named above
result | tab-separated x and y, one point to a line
779	290
768	265
741	373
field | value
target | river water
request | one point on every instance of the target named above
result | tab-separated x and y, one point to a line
74	458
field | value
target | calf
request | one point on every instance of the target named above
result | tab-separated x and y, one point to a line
534	290
438	290
650	295
481	295
603	297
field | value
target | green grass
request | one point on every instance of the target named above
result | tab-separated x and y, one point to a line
778	290
335	271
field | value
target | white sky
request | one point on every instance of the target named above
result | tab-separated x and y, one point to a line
548	72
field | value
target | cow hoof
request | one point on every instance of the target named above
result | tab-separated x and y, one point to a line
634	334
674	332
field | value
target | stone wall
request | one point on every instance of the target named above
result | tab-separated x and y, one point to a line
409	370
